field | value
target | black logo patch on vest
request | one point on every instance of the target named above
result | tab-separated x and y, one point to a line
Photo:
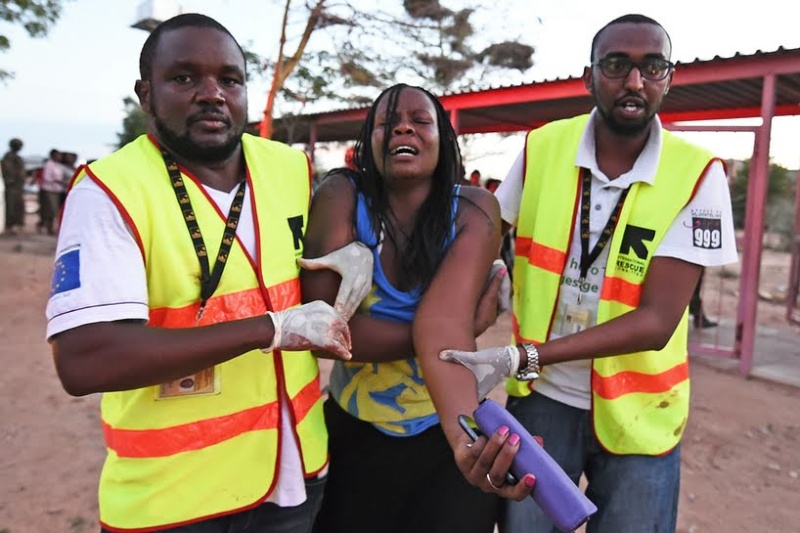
296	227
634	239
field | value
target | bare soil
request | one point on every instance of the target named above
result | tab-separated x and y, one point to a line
741	453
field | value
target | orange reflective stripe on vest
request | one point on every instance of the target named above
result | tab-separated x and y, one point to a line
229	306
628	382
306	399
619	290
541	256
164	442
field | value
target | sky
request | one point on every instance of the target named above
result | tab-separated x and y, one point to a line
69	86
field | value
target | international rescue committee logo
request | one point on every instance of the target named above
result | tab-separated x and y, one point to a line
633	251
296	224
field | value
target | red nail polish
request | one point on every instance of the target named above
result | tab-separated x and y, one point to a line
503	431
513	439
530	480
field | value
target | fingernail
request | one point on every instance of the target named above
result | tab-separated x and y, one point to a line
530	480
503	431
513	439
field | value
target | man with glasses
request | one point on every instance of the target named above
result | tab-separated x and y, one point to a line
616	218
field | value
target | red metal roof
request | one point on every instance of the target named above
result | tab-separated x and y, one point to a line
718	88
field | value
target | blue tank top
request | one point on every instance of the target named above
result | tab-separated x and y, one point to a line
391	396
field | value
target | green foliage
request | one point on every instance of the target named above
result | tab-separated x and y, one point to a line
354	53
779	187
779	211
134	124
448	60
35	16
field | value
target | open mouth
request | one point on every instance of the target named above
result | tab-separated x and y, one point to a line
631	105
404	150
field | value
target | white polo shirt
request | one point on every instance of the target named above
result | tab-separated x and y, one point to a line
570	382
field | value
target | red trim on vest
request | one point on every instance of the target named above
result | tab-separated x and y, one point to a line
627	382
71	182
702	177
619	290
259	252
310	175
304	400
525	158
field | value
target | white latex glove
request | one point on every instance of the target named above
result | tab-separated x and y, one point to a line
504	292
311	326
354	263
490	366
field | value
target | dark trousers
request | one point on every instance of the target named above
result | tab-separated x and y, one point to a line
15	206
266	518
388	484
50	204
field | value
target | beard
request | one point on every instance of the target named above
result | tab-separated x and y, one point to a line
625	129
184	145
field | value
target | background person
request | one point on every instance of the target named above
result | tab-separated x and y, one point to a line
475	178
52	186
608	254
170	299
492	184
696	310
13	169
68	161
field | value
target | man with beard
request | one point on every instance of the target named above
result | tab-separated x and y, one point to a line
176	294
616	218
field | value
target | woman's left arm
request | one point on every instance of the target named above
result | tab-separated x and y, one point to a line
444	320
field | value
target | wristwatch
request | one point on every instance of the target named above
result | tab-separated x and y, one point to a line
532	369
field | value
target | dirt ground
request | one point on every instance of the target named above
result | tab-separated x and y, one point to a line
741	453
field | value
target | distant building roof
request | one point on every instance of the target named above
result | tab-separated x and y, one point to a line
717	88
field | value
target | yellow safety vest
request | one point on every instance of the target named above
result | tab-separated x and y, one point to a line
178	458
640	401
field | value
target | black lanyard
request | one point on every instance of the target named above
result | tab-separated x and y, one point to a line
587	258
209	280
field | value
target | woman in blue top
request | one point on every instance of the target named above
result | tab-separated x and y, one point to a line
392	415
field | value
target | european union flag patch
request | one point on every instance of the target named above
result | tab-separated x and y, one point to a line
67	273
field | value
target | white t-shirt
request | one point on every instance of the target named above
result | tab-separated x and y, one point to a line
110	284
53	176
570	382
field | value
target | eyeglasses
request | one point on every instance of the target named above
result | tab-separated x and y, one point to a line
651	68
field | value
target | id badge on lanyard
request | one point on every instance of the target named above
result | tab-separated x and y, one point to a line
577	316
576	319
